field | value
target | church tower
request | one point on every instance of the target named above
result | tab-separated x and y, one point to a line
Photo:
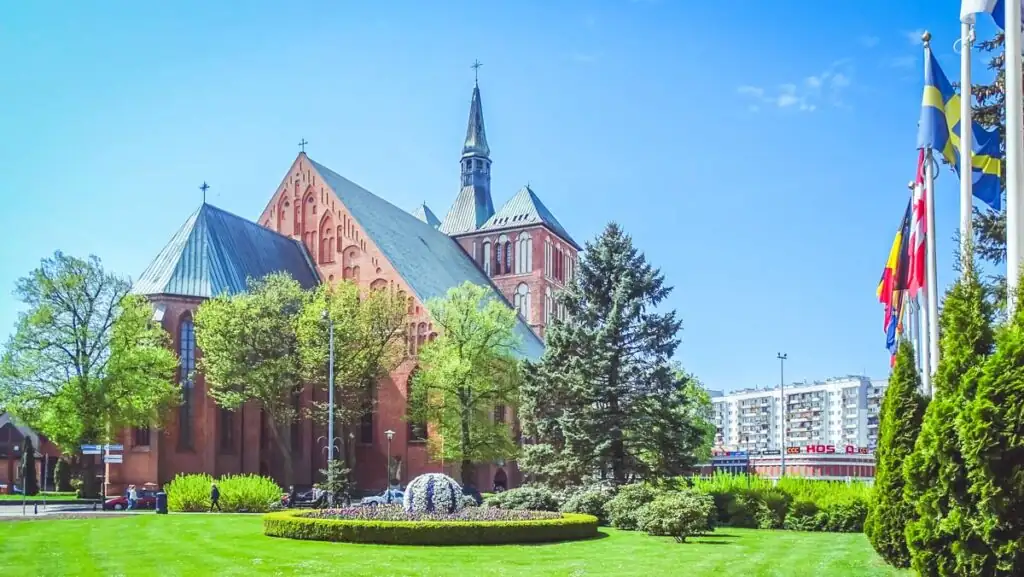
474	205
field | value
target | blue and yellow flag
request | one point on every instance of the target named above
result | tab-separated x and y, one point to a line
939	130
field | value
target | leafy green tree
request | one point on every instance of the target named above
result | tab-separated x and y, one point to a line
942	537
899	425
605	400
466	373
62	474
369	342
992	436
29	479
251	353
85	360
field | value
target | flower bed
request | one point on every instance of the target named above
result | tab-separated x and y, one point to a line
393	526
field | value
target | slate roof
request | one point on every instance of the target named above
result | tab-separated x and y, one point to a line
523	209
430	261
216	252
470	210
424	213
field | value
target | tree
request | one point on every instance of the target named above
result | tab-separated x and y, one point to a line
251	352
992	436
85	360
29	479
941	538
466	376
900	423
369	342
62	475
605	400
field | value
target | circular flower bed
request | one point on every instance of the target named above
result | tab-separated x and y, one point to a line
433	492
394	526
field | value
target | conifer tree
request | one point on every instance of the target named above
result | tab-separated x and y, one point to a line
605	400
900	423
992	435
29	479
941	538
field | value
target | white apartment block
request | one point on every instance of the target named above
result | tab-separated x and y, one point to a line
840	411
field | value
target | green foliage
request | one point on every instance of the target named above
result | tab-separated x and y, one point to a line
29	478
62	475
899	425
189	493
589	501
294	525
942	537
247	493
524	498
678	514
992	436
251	352
468	370
623	509
606	401
337	481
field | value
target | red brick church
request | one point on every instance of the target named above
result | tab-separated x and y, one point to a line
321	227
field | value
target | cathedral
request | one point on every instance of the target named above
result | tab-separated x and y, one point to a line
320	228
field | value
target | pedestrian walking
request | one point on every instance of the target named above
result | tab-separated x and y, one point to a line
214	497
133	497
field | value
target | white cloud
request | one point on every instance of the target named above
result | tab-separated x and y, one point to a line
840	81
755	91
869	41
914	36
814	81
815	91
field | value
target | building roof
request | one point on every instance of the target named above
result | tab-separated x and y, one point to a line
429	261
476	135
471	209
216	252
525	209
424	213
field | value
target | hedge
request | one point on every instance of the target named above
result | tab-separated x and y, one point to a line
297	525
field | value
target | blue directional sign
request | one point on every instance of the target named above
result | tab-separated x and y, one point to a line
114	447
91	449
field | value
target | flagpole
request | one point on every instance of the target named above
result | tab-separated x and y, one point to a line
920	323
966	135
932	286
1014	157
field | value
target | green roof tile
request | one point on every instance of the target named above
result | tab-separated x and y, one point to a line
525	209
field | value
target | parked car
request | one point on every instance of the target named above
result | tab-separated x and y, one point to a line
146	500
391	496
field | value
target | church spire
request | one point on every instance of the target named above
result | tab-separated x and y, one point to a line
476	136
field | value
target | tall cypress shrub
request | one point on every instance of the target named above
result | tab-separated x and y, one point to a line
29	480
992	436
942	538
900	422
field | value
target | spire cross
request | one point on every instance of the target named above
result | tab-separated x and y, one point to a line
204	188
302	145
476	70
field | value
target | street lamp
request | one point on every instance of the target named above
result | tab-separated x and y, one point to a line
330	404
782	394
390	435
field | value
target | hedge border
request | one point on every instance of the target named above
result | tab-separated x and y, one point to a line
297	525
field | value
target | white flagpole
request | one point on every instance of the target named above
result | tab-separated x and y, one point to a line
966	134
932	286
920	326
1014	157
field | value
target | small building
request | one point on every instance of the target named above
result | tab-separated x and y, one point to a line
12	436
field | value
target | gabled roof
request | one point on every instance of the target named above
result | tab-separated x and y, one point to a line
429	261
523	209
470	210
424	213
216	252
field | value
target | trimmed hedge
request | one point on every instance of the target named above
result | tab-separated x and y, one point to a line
298	525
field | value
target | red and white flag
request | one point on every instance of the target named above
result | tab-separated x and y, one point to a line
918	231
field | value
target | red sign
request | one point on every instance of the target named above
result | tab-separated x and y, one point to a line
821	449
792	450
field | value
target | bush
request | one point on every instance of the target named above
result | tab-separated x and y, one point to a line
589	501
622	510
433	492
189	493
678	514
776	506
529	498
246	493
298	525
845	517
62	475
803	516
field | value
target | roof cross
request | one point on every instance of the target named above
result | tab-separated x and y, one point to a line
302	145
476	70
204	188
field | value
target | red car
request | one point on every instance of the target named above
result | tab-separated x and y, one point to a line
146	500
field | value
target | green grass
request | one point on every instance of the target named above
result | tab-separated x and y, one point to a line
213	544
40	497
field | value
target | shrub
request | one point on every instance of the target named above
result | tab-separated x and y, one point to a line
433	492
846	517
803	516
469	501
398	513
776	505
531	498
622	509
62	475
247	493
300	525
189	493
678	514
589	501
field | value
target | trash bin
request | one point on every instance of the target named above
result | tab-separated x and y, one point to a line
161	503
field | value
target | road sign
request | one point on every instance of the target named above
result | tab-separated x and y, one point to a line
114	447
90	449
113	458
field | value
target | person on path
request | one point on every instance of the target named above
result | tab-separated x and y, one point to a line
133	497
214	497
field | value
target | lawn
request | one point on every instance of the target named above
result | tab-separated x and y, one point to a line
213	544
49	497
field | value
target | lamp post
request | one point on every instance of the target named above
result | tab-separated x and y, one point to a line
782	415
330	404
390	435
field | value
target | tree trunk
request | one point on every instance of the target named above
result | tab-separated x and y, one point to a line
468	472
283	442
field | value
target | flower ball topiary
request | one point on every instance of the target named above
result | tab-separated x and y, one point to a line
433	493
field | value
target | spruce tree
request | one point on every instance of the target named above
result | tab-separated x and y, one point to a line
992	436
605	400
942	538
902	411
29	479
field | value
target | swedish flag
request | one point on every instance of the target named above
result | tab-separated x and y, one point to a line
939	130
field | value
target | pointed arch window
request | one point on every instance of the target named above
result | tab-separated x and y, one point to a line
417	429
497	257
549	303
487	257
521	300
187	360
524	253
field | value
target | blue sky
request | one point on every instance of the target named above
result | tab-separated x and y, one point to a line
758	152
